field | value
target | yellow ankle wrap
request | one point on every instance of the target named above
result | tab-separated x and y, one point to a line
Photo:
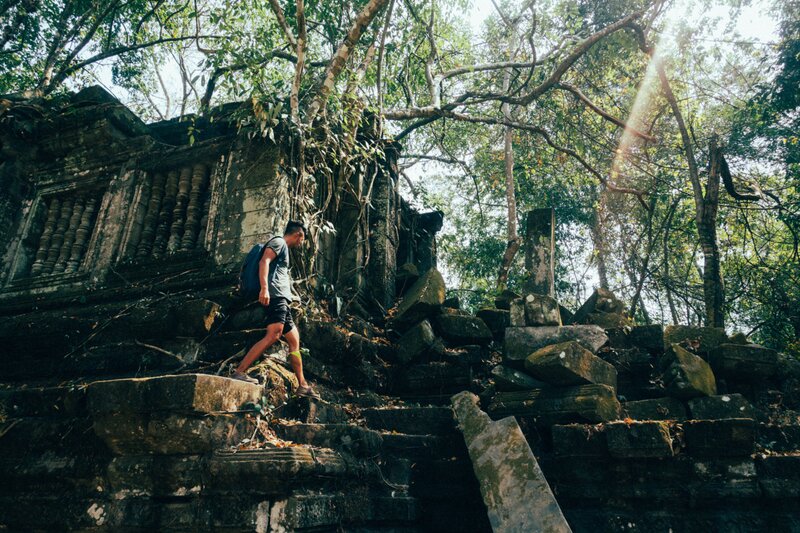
297	353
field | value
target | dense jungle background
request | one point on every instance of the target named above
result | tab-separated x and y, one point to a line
664	133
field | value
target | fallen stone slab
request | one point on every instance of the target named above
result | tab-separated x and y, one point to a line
519	343
649	438
541	310
729	437
655	409
703	339
609	320
723	406
584	403
580	440
513	487
569	363
193	393
423	299
745	362
461	330
687	375
507	379
415	342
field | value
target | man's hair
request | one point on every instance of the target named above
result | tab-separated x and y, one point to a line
294	226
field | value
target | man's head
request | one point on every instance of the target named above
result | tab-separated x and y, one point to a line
295	234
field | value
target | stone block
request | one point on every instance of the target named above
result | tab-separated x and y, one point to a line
649	438
460	330
745	362
541	310
519	343
57	402
507	379
601	301
195	318
516	312
513	486
728	437
655	409
649	338
415	342
497	321
160	433
779	476
779	437
434	377
423	299
723	406
569	363
687	375
155	476
503	301
359	441
407	275
312	411
609	320
584	403
580	440
192	393
724	479
411	420
702	339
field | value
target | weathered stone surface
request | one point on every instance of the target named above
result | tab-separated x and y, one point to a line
460	330
519	343
503	301
356	440
609	320
580	440
411	420
415	342
539	246
649	338
569	363
746	362
514	489
704	339
724	479
779	476
198	393
422	300
541	310
729	437
516	312
508	379
687	375
407	275
584	403
131	433
43	401
655	409
312	411
497	321
601	301
639	439
723	406
434	377
155	475
778	437
196	317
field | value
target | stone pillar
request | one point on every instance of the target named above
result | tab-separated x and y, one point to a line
540	251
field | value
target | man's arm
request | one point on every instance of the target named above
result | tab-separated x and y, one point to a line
263	275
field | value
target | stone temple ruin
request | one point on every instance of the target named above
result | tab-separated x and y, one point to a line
122	245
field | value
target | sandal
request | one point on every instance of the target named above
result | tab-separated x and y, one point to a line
307	392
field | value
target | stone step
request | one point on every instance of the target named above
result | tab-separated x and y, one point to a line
312	411
432	420
434	378
187	393
349	438
778	437
57	402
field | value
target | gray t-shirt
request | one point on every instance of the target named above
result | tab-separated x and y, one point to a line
280	283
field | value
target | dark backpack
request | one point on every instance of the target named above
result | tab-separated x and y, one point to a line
249	282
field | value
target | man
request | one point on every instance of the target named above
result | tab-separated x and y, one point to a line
276	294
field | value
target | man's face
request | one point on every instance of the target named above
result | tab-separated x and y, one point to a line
295	240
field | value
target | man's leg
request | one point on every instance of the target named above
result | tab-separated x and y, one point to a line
293	338
273	334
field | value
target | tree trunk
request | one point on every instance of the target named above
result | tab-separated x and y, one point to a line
713	288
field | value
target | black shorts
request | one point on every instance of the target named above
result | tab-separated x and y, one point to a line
278	311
